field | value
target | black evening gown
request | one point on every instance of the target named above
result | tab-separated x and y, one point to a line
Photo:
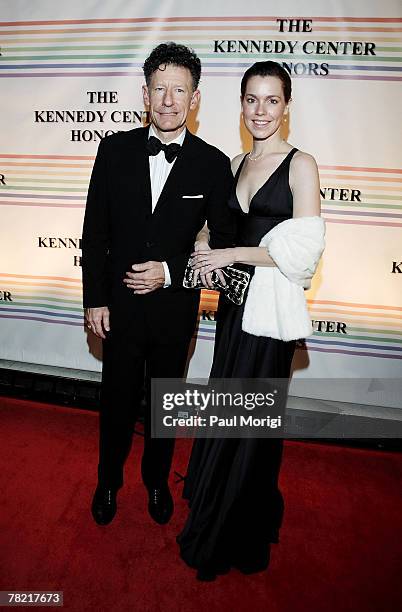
236	507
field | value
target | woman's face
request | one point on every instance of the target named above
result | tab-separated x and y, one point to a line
263	106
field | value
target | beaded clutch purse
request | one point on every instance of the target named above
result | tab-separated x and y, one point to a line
236	282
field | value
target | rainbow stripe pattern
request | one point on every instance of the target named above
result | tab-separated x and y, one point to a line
61	181
372	330
118	47
47	299
380	195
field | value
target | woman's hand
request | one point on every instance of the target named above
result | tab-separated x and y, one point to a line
208	260
206	277
202	245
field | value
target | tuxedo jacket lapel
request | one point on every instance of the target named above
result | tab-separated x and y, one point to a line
183	165
132	166
142	162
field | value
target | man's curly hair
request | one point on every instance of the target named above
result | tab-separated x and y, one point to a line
172	54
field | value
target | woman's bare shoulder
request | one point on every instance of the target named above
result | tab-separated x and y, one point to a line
304	182
303	162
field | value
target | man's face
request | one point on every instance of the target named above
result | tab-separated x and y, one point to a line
170	97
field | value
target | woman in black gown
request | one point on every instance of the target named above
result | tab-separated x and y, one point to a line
236	507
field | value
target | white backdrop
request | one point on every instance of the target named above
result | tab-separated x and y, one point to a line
348	115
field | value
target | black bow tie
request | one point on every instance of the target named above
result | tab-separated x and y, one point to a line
171	151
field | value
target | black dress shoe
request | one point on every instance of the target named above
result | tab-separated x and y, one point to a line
160	504
104	505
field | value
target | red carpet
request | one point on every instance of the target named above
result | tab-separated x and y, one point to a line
339	544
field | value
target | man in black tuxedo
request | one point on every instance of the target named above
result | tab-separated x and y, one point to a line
151	191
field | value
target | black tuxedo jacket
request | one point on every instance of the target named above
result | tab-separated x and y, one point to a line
120	228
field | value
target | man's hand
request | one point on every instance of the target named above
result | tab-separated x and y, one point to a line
98	320
146	277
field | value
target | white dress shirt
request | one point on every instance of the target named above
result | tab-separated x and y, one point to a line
159	170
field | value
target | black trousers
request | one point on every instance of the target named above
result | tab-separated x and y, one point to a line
135	351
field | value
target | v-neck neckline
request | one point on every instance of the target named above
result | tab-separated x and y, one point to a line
262	186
